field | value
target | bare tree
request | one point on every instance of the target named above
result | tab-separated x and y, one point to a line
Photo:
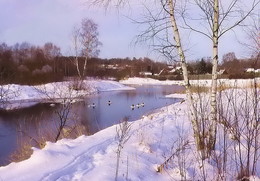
7	93
65	94
76	48
253	37
164	36
220	17
177	38
238	133
51	51
85	44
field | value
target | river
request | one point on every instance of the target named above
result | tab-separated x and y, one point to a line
109	108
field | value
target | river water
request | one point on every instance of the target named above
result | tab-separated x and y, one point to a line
109	108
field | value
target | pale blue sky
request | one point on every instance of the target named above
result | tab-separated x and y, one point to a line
40	21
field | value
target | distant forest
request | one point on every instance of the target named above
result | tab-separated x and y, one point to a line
28	64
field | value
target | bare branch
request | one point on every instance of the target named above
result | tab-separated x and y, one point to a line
254	4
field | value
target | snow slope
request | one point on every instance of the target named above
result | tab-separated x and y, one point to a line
94	157
153	139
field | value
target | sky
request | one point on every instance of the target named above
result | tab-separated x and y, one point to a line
41	21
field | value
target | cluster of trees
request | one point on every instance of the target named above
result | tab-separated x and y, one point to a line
234	66
231	66
28	64
123	67
25	62
203	66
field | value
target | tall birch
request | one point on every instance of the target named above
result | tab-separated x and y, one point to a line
85	44
176	36
213	101
165	21
221	17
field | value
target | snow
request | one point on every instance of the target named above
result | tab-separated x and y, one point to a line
18	96
206	83
94	157
153	139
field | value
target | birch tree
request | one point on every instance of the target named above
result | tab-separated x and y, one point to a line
176	36
76	49
163	31
85	44
220	17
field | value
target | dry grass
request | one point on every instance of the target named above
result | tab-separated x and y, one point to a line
74	132
25	148
206	89
24	152
25	145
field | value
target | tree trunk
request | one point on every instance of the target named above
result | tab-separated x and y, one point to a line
77	66
195	124
213	101
85	67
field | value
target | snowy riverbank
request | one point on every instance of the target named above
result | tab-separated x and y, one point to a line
152	140
207	83
94	157
16	96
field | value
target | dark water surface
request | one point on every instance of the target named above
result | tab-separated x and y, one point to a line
39	119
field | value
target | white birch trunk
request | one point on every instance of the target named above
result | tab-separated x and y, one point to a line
193	114
85	67
77	66
213	101
76	50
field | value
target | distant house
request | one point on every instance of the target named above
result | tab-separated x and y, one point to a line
176	70
250	70
222	71
145	73
109	66
170	70
257	71
112	66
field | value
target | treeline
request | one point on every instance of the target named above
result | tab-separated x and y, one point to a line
236	68
28	64
25	63
202	66
230	67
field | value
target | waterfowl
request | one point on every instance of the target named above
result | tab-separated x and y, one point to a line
109	103
132	106
93	105
142	104
138	105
